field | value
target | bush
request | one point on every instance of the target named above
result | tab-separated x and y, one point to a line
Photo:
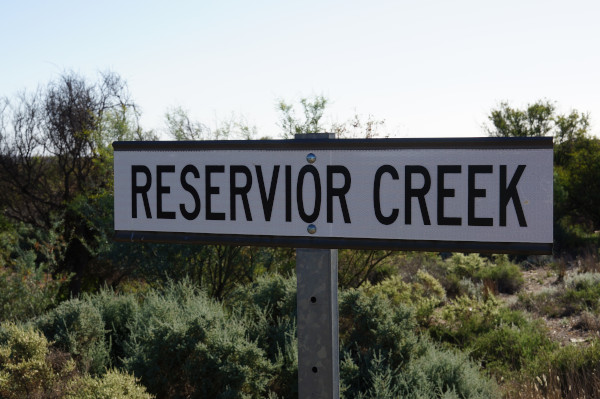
499	275
383	358
510	347
76	327
371	325
569	372
31	368
27	288
27	291
425	293
445	374
378	343
547	302
459	269
581	293
505	340
268	310
506	276
265	304
112	385
118	312
466	266
28	368
588	321
184	345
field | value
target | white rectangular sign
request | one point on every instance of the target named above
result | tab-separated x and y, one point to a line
439	194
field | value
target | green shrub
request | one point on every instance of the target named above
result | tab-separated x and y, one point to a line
382	379
27	287
27	291
112	385
509	347
118	312
469	288
268	310
547	302
28	369
382	357
377	336
499	274
466	317
466	266
572	371
504	340
184	345
373	334
580	293
425	293
372	324
458	269
445	374
505	275
266	304
76	327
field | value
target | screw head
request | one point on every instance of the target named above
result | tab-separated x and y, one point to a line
311	158
312	229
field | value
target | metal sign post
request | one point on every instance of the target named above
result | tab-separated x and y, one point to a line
318	345
318	341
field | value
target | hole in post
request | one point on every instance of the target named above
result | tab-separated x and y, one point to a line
313	299
314	369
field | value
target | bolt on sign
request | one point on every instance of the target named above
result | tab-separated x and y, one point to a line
462	194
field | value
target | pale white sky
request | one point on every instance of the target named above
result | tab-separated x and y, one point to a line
428	68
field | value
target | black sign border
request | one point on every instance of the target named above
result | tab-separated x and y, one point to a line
333	242
466	143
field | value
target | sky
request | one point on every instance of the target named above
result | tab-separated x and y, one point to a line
428	68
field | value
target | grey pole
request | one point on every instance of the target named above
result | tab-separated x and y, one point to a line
317	310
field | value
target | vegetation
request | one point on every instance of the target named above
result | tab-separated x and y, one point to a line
82	316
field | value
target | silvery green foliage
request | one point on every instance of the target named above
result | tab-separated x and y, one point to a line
118	311
384	358
185	345
268	309
583	280
76	327
181	343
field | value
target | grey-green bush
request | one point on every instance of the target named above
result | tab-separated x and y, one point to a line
27	259
184	345
76	326
118	312
445	374
268	310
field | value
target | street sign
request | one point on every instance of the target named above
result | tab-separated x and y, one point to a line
481	194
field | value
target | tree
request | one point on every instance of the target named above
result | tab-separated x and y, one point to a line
52	144
49	143
313	112
534	121
537	120
181	127
576	159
